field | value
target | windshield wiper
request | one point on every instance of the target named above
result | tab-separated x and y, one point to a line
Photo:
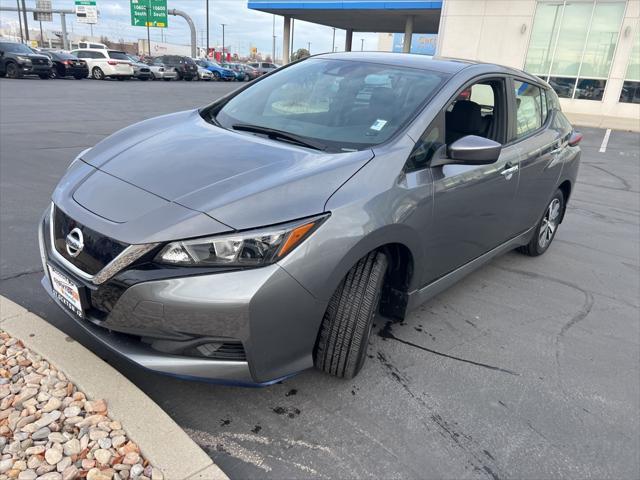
279	134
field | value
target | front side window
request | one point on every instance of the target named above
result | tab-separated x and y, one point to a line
528	108
572	45
343	105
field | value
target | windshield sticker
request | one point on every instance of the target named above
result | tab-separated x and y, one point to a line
378	125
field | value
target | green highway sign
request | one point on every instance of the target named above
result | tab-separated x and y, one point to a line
149	13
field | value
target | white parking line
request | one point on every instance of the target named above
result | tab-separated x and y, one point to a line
605	140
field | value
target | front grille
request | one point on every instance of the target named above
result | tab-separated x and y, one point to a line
98	249
145	70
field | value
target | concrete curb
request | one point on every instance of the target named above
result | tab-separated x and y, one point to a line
160	439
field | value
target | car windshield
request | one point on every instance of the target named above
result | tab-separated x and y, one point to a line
118	55
15	48
340	104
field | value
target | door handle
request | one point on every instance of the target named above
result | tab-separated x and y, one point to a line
509	170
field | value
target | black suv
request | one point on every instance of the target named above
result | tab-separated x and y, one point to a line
184	66
16	60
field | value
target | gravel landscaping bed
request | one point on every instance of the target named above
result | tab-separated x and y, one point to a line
49	430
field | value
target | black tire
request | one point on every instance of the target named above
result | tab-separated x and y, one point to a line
216	76
13	71
188	79
97	73
153	76
543	236
342	342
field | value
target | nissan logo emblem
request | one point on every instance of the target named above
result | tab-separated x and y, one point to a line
74	242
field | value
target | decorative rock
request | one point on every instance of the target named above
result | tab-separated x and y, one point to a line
63	464
5	465
51	476
53	456
102	456
96	474
71	411
88	464
136	471
27	475
57	437
96	434
72	447
104	443
95	406
131	458
71	473
53	404
41	434
118	440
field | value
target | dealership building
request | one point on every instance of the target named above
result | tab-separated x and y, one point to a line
588	50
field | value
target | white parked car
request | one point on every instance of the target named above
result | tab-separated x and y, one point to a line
204	74
105	63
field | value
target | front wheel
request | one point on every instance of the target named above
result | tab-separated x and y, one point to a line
546	229
216	76
341	346
13	71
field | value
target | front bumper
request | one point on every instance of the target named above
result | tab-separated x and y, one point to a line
30	69
266	309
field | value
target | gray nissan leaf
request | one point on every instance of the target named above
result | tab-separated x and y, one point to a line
259	235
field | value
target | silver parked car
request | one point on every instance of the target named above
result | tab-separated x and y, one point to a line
204	74
258	236
159	71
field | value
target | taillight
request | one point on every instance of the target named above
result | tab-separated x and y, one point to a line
575	138
112	62
66	62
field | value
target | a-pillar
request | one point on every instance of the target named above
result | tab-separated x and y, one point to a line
408	33
286	40
348	40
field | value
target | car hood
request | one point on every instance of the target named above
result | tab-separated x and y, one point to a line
186	165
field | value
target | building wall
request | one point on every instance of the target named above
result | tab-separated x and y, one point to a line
499	31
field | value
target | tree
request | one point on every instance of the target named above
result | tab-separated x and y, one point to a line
300	53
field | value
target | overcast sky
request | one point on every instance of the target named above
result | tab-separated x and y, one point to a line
245	28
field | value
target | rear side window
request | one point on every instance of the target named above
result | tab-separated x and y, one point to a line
529	101
118	55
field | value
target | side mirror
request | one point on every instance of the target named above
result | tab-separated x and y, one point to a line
470	150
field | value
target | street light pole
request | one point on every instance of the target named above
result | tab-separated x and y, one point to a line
333	43
273	46
20	22
362	44
24	19
207	52
147	7
223	25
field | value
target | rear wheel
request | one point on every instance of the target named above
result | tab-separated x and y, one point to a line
97	73
546	230
344	334
216	76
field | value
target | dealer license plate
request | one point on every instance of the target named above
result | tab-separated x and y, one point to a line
66	291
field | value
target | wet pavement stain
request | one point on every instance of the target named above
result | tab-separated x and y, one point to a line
224	422
290	412
291	392
256	429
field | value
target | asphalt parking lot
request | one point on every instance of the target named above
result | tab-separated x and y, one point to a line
528	368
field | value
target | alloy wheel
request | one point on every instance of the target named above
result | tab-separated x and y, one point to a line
549	223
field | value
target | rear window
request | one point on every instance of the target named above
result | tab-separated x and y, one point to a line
118	55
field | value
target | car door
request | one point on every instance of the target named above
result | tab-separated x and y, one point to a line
473	204
540	140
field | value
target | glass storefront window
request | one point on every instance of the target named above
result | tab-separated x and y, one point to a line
603	36
589	89
563	86
572	45
543	35
573	34
630	92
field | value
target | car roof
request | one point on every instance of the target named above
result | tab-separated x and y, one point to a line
426	62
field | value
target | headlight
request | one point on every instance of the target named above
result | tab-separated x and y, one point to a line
24	59
243	249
